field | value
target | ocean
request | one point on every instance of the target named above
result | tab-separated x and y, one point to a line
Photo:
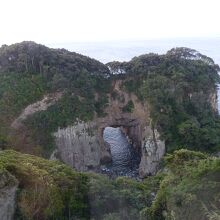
126	50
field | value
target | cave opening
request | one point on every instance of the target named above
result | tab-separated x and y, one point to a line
125	157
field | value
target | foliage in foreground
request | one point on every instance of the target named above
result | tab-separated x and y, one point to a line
52	190
188	188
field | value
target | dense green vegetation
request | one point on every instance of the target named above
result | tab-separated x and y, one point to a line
29	57
179	87
28	71
66	111
46	189
51	190
17	91
188	188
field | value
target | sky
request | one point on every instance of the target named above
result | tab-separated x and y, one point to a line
59	21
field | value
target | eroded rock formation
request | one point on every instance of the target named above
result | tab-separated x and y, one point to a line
82	145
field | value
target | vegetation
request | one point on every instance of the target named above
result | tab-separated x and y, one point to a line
46	189
29	71
29	57
17	91
51	190
188	188
129	107
179	87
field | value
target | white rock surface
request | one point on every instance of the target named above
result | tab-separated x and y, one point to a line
78	146
153	149
41	105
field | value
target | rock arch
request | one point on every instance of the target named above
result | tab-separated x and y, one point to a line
82	145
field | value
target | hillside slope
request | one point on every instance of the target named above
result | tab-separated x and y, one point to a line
30	72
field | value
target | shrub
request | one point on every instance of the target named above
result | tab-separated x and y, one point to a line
129	107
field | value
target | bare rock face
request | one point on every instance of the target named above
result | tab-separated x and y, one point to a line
80	147
211	97
153	149
214	101
8	188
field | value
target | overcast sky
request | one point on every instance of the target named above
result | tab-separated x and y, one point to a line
53	21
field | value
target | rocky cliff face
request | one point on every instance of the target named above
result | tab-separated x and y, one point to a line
8	188
153	150
214	101
82	145
211	98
